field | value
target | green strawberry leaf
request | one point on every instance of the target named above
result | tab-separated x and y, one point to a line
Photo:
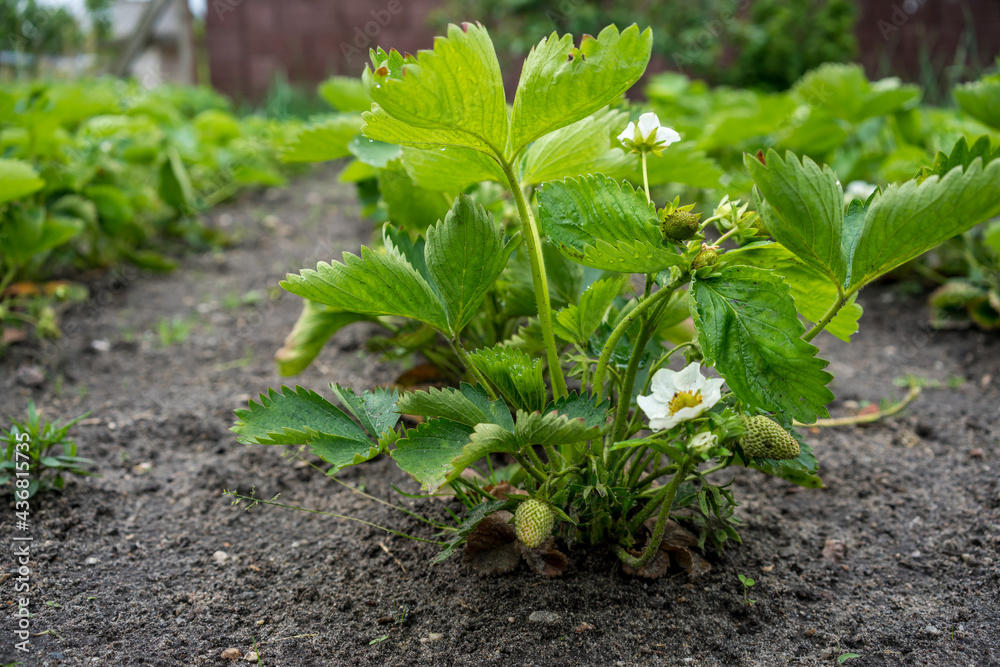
516	376
18	179
552	428
802	207
345	94
485	439
961	156
748	327
582	406
585	147
410	205
910	219
465	254
316	324
452	169
325	140
561	84
376	411
466	405
303	417
844	91
812	291
981	100
605	225
374	284
427	452
456	89
576	323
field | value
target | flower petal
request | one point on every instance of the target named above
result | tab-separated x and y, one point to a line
627	133
653	408
711	392
689	379
664	423
648	124
663	385
667	136
686	414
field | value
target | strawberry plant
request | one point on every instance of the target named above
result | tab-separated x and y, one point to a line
602	441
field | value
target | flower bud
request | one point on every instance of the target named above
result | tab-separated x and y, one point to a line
707	257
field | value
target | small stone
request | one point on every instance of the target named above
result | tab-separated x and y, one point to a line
260	621
251	656
220	557
511	619
92	561
435	636
544	617
232	654
584	627
100	345
932	631
29	376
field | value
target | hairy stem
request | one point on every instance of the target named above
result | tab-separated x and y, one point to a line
830	314
540	281
471	367
665	499
623	326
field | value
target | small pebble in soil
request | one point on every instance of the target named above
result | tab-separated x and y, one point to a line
511	619
232	654
100	345
92	561
584	627
29	376
251	656
432	637
544	617
220	557
932	631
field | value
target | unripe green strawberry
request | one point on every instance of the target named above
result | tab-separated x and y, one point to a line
680	225
707	257
533	522
766	439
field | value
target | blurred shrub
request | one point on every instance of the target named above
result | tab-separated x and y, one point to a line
766	43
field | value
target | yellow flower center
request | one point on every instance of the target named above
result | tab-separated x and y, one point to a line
684	399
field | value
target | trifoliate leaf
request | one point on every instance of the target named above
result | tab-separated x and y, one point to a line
485	439
466	405
585	147
452	169
748	326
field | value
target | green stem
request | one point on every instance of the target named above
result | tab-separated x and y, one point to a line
830	314
625	398
530	469
540	281
645	177
666	500
623	326
648	510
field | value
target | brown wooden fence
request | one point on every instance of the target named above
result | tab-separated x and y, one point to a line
251	41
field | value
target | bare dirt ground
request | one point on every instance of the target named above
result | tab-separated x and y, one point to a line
149	564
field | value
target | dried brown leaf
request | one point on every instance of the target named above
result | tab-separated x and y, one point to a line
492	547
545	559
675	548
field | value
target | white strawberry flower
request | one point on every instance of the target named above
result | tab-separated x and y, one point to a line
648	136
858	189
679	396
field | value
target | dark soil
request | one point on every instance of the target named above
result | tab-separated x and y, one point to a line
125	568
